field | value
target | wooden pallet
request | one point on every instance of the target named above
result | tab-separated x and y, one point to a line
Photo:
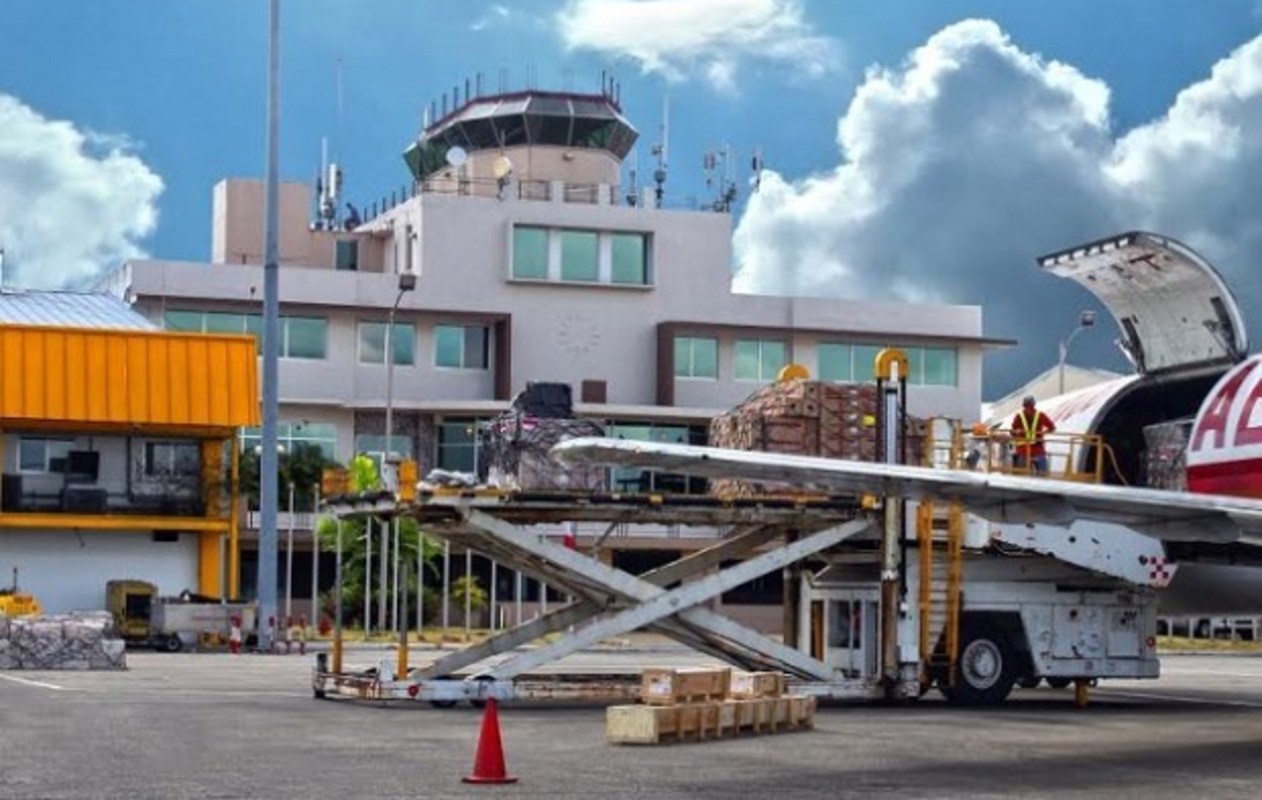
718	719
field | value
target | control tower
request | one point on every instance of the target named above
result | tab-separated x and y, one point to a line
536	137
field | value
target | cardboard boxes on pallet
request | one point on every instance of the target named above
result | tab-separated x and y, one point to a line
670	686
707	703
808	418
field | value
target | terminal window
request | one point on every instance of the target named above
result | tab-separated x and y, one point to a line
172	459
38	454
628	257
696	357
530	253
460	346
372	343
760	360
580	256
926	366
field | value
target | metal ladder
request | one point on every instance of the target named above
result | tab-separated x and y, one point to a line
940	539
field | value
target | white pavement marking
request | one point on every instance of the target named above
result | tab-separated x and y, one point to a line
39	684
1195	671
1206	701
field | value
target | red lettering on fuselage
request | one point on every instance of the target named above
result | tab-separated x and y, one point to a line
1214	421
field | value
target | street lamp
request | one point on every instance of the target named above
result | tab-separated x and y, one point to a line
407	283
389	468
1086	319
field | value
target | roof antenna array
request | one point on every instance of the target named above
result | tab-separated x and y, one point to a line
660	150
755	179
720	167
328	182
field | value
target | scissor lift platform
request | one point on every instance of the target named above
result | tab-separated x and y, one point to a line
608	601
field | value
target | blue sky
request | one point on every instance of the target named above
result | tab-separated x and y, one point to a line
121	116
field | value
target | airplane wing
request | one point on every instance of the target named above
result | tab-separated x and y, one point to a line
1169	516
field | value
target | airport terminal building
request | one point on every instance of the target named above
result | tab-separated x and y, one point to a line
532	262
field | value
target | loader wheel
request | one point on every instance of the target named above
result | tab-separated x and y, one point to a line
480	703
1059	683
986	669
1029	682
443	703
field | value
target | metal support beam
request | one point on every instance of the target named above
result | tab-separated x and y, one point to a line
658	604
578	612
511	639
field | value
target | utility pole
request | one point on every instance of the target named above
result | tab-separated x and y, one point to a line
271	344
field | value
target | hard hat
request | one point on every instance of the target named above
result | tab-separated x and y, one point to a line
980	429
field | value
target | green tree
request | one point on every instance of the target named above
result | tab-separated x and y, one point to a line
302	465
364	477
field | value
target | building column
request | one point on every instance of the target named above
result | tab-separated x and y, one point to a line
234	518
210	564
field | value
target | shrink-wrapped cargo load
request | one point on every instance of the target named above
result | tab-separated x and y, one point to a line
807	418
516	444
1165	455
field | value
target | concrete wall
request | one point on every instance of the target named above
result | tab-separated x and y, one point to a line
67	570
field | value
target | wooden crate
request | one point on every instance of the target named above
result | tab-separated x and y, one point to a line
719	719
752	685
672	686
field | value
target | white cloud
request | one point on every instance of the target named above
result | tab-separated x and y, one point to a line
682	38
966	162
73	203
496	13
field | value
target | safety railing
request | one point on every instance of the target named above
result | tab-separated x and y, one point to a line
1070	456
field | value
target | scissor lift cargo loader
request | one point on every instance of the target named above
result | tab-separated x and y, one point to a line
609	602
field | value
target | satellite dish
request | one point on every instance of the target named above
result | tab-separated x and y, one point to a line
502	167
456	156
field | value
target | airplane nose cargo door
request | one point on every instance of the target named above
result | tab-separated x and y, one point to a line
1171	306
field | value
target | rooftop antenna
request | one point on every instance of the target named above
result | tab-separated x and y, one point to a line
660	150
718	166
633	191
755	180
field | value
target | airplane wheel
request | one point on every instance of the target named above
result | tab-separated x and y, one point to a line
987	669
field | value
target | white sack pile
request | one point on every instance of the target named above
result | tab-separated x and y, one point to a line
80	640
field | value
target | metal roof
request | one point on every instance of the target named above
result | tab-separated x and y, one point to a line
69	310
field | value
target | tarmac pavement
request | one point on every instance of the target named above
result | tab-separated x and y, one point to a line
194	726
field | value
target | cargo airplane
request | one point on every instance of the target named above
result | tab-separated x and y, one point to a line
1184	335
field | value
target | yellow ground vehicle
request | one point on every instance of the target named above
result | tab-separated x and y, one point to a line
16	603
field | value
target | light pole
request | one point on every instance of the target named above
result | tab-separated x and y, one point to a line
1086	319
389	467
407	283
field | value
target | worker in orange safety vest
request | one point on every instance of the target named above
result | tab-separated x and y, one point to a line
1028	427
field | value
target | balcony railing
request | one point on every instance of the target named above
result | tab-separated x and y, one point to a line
93	499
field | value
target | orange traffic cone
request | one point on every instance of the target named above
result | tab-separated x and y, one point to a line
488	764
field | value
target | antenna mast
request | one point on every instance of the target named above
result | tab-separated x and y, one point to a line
660	150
